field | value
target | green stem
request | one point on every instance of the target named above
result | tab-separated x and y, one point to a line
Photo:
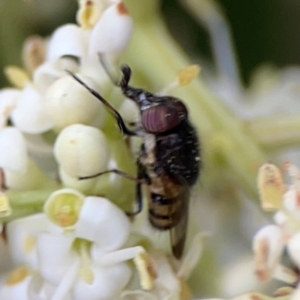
24	203
276	132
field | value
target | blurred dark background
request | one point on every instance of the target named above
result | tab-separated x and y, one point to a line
263	30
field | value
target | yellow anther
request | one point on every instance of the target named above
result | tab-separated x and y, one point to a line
16	76
83	247
17	276
147	274
185	292
270	186
89	13
29	243
188	74
5	209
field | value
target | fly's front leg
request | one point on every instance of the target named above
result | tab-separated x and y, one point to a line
143	179
113	111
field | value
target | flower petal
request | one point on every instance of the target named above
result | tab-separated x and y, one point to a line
102	222
293	247
112	33
108	283
68	103
16	285
267	246
67	40
22	234
13	154
55	256
81	150
30	115
45	75
8	101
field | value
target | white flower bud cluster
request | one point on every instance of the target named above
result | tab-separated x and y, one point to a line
51	127
54	132
271	240
47	100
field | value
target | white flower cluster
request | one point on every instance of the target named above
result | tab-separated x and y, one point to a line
270	241
75	250
51	127
73	257
46	98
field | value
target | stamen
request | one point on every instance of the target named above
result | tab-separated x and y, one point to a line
270	186
29	243
67	282
17	276
16	76
188	74
86	272
5	208
146	270
89	13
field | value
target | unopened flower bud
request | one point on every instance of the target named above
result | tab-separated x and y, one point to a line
30	115
81	150
8	101
13	154
69	103
129	111
111	34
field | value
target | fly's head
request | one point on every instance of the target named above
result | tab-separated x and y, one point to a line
159	114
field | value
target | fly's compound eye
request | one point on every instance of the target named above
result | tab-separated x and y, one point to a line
162	118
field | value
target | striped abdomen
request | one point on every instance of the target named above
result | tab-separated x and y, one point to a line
164	213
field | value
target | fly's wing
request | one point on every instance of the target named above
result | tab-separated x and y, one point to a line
178	232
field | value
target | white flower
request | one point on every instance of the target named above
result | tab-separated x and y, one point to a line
269	242
78	254
30	114
170	282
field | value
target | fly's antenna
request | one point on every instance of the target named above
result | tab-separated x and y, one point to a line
126	77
